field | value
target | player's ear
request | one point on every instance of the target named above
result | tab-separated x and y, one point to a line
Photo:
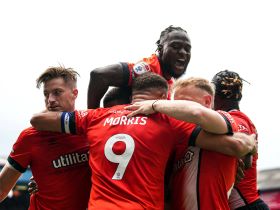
75	93
208	99
159	49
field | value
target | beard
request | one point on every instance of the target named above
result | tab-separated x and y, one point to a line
168	69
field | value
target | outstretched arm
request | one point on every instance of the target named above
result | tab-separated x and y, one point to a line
8	178
188	111
101	79
239	144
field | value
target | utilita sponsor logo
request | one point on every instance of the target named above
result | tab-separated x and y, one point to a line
70	159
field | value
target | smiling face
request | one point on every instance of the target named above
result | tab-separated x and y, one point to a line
59	95
175	54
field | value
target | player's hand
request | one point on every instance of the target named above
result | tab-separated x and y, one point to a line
249	140
255	148
240	171
248	161
32	186
143	107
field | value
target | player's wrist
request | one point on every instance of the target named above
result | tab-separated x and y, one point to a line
153	105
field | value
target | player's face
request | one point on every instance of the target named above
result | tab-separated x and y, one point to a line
192	93
59	96
151	94
175	53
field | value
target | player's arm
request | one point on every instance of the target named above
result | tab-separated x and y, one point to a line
8	179
48	121
238	144
101	79
188	111
244	127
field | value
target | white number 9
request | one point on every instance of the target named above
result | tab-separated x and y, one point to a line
122	159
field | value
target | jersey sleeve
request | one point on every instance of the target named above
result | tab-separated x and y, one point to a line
20	156
192	130
194	135
76	122
132	70
231	123
243	125
127	76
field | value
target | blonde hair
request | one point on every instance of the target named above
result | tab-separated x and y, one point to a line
198	82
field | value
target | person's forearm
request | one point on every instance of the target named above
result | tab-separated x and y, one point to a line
193	112
47	121
8	178
244	143
237	145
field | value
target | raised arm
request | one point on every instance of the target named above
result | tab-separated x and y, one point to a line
101	79
47	121
188	111
238	145
8	179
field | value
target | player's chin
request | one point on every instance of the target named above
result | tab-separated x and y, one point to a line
178	72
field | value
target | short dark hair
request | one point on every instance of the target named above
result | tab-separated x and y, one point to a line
228	85
67	74
119	95
165	32
149	80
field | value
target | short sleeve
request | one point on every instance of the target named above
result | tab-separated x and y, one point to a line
230	121
82	120
20	156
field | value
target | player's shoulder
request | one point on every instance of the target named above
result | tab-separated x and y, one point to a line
244	122
241	115
149	64
27	135
29	132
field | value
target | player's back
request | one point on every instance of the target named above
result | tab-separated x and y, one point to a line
128	156
59	164
246	191
202	180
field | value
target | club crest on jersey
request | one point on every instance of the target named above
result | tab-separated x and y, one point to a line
140	68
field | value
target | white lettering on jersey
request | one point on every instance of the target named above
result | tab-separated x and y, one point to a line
123	120
242	128
70	159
